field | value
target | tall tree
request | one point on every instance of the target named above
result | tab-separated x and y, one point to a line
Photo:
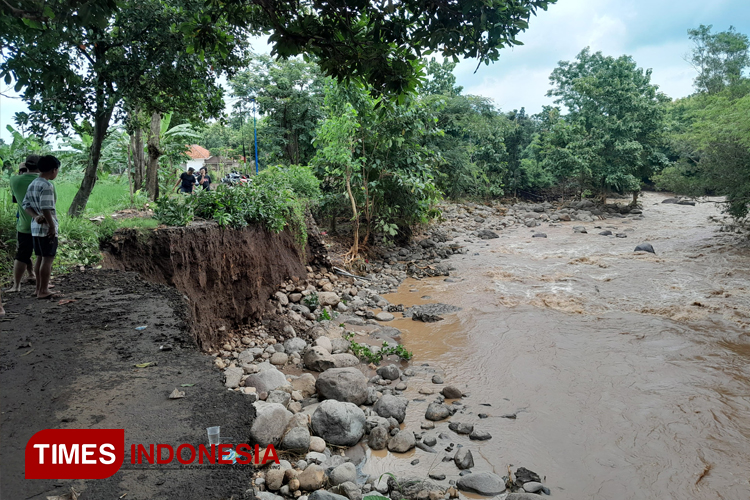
289	93
719	58
615	122
82	65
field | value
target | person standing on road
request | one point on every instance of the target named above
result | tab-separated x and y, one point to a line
39	203
186	181
19	184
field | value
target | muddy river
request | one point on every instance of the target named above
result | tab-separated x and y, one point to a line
629	374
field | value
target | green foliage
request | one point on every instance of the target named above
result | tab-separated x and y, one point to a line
365	352
614	126
326	316
719	58
269	200
289	95
299	178
15	153
311	301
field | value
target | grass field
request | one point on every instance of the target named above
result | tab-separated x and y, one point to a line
79	237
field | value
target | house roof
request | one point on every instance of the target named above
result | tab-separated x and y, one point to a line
197	152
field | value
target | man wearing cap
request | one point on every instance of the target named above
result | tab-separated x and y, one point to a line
25	246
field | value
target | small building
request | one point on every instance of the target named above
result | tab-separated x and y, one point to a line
198	156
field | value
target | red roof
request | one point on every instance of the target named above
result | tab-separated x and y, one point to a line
197	153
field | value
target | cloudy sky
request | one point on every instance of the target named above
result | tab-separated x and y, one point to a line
654	32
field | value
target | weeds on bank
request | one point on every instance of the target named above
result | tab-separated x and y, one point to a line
364	351
276	198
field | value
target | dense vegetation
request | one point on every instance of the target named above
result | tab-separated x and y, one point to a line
377	142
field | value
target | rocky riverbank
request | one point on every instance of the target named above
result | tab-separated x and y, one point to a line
317	397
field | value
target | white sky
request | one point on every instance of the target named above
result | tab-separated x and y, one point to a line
654	32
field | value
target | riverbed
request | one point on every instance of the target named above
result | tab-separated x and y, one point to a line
628	373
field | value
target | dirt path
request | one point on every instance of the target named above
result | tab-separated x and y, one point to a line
78	372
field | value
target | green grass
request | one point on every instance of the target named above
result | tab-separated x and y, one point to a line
105	199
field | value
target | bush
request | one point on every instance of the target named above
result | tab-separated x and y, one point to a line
270	200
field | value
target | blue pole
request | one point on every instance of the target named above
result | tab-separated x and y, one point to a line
255	133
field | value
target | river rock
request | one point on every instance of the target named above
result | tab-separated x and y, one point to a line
325	495
343	384
417	488
293	345
606	233
328	299
484	483
325	343
339	423
437	411
477	435
437	379
282	298
486	234
389	372
686	202
391	406
532	486
384	316
317	445
280	397
522	496
233	376
318	359
378	438
305	384
274	479
312	478
464	459
644	247
461	427
344	360
539	235
296	438
279	358
350	490
429	440
670	200
402	442
270	422
266	380
452	392
579	229
340	346
343	473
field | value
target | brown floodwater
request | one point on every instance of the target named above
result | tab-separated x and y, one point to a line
629	374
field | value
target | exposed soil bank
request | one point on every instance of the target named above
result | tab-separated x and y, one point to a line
226	274
71	366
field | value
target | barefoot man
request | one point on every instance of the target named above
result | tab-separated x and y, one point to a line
39	203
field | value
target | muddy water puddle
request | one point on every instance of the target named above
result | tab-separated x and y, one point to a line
628	374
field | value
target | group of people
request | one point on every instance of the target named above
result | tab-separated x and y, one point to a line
189	179
36	225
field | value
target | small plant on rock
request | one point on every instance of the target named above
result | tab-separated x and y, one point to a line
311	301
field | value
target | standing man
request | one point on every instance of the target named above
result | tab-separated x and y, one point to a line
25	246
186	181
39	203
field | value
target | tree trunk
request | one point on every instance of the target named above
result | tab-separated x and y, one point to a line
635	199
101	124
152	169
130	174
355	215
136	143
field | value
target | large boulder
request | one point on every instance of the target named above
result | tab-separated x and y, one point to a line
312	478
328	299
270	422
484	483
389	372
339	423
343	384
437	411
391	406
293	345
296	438
464	459
644	247
318	359
343	473
266	380
233	376
305	384
378	438
344	359
402	442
